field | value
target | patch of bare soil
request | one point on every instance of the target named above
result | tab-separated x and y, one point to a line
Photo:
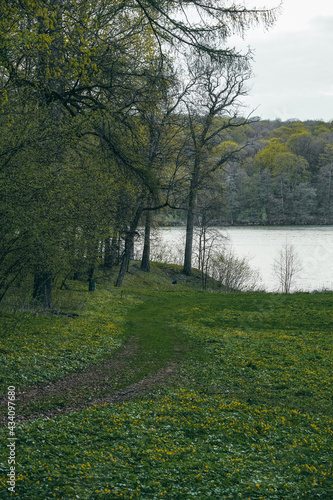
76	391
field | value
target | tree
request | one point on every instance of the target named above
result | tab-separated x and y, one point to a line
285	172
325	184
28	195
287	266
153	139
104	48
212	107
49	210
78	65
51	69
236	183
145	262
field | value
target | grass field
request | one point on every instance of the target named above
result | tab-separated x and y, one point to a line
247	414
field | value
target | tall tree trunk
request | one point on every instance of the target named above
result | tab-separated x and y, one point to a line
91	281
111	252
108	260
131	252
129	241
145	262
48	62
187	270
42	291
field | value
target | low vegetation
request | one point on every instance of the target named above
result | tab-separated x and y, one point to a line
243	410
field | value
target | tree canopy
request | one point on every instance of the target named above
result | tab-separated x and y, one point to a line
93	123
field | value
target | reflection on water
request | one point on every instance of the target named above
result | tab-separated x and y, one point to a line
313	244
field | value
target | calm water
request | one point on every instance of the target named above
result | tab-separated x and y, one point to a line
313	244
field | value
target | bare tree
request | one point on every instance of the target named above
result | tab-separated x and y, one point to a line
208	237
212	108
287	267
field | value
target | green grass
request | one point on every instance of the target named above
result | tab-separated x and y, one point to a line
182	444
37	347
249	416
162	278
264	348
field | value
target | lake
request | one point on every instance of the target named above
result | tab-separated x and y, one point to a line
313	245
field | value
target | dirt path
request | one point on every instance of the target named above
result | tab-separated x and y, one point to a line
70	393
149	359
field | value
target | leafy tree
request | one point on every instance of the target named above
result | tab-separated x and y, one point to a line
50	211
285	171
325	184
308	146
236	184
63	60
52	69
102	48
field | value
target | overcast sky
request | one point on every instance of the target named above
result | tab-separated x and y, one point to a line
293	65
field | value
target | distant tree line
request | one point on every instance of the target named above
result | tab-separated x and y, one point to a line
282	176
285	176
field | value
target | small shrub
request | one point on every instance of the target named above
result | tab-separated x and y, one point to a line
234	273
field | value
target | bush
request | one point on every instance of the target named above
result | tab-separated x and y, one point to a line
234	273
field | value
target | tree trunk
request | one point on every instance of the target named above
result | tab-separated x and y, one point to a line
145	263
42	291
108	264
130	251
42	288
187	270
111	252
92	284
129	241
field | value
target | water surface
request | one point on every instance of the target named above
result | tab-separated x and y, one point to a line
313	245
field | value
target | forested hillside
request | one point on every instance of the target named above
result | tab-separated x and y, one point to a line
283	175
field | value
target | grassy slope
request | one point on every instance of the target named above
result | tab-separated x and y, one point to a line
250	417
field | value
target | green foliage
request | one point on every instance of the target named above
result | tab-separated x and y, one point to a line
57	193
251	416
182	445
277	159
66	94
280	177
36	347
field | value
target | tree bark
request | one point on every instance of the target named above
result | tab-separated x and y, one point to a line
42	291
129	241
145	262
107	253
187	269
